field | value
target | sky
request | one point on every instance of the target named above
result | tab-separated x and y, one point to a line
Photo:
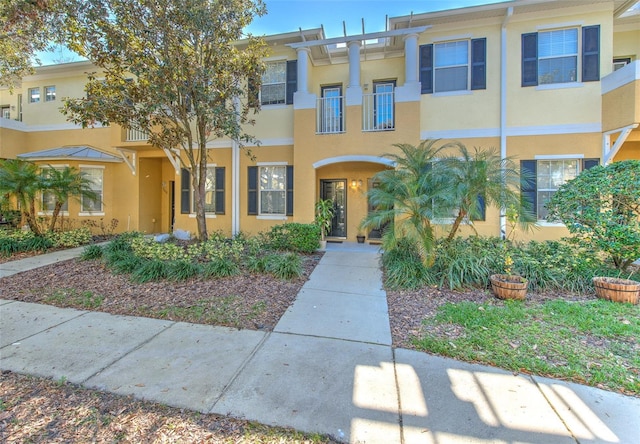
290	15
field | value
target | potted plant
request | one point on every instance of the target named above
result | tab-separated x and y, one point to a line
360	238
324	216
617	289
508	285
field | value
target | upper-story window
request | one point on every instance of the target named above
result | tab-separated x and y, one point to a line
34	95
49	93
458	65
561	56
279	82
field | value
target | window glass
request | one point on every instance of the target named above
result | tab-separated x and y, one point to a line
34	95
6	112
49	93
273	189
551	175
451	64
558	56
209	192
274	79
49	199
95	176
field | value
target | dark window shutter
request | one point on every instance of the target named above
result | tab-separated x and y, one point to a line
185	191
292	80
253	92
289	190
529	190
252	201
530	59
483	209
479	63
591	53
589	163
426	69
220	190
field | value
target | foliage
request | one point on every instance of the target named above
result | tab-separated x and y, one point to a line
284	266
602	207
70	239
302	238
74	298
181	270
324	215
106	229
16	241
64	183
172	69
556	338
91	252
26	27
150	270
22	181
218	268
404	268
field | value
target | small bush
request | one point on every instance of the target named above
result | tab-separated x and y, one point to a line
256	264
404	268
217	268
36	243
182	270
122	262
284	266
149	270
91	252
71	238
301	238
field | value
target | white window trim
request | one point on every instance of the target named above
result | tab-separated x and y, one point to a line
93	213
465	91
50	213
284	103
548	86
563	85
544	222
30	96
271	216
44	90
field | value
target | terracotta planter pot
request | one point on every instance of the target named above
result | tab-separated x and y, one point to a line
509	286
616	289
360	239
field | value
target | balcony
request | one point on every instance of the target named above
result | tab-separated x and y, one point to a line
378	111
330	115
135	135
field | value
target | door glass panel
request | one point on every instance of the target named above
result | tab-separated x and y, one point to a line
334	190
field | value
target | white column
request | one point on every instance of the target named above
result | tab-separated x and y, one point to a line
303	70
354	63
411	58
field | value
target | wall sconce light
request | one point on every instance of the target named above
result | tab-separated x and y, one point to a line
355	184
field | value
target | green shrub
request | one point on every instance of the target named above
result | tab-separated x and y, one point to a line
36	243
404	268
149	270
71	238
256	264
182	270
217	268
284	266
466	262
122	262
302	238
91	252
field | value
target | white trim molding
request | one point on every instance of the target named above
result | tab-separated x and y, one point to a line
354	158
546	130
558	156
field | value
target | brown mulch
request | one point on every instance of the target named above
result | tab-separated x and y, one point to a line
43	411
253	301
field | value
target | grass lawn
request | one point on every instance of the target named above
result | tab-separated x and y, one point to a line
595	342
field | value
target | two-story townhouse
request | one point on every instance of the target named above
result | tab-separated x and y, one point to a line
552	83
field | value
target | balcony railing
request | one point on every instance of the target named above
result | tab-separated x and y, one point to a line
329	115
136	135
378	112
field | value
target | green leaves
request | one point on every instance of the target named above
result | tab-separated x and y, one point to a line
602	207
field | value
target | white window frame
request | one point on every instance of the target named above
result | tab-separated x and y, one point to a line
48	212
32	97
280	101
208	214
100	212
575	54
261	190
436	68
49	93
539	189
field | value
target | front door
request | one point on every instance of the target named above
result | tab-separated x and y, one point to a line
335	191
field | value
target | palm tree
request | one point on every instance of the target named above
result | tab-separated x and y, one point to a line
405	196
482	175
63	183
22	181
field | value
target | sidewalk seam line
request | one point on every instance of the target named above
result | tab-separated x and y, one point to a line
331	338
128	352
48	328
240	369
564	423
399	396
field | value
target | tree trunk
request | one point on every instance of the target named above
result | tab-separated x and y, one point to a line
32	220
456	225
54	215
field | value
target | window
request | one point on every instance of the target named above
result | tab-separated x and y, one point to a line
620	62
34	95
270	190
330	114
453	66
95	176
383	105
553	57
49	93
20	107
279	82
546	176
5	112
213	191
49	199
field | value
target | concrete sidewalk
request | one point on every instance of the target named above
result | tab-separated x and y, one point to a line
327	367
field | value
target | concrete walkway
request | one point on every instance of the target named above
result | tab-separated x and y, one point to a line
327	367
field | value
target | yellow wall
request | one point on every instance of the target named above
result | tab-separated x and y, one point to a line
621	107
625	44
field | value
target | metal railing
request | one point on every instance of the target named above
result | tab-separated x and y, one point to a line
378	112
136	135
330	115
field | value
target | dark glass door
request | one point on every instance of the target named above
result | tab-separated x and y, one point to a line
335	191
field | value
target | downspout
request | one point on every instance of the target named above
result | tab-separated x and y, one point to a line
235	178
503	108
